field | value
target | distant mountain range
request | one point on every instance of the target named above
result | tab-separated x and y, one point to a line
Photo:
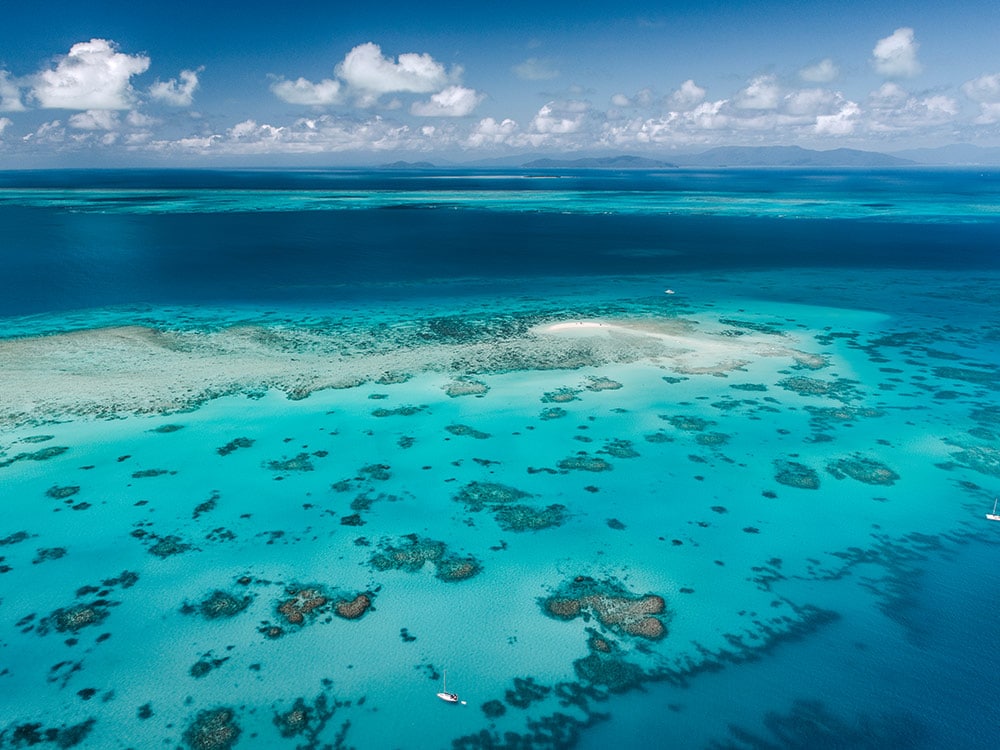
789	156
734	156
741	156
957	154
599	162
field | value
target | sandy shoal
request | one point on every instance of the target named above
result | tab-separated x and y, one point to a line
106	372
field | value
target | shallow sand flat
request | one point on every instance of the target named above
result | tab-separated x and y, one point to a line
133	370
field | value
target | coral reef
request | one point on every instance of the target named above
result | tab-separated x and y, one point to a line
597	383
300	462
561	396
688	423
28	735
620	448
454	568
526	518
305	601
794	474
61	493
149	473
584	462
466	386
615	608
413	552
478	495
213	729
43	454
863	469
167	546
234	445
462	430
220	604
353	609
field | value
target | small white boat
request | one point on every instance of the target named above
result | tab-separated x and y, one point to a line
445	695
993	516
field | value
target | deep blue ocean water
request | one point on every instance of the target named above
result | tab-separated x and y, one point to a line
228	396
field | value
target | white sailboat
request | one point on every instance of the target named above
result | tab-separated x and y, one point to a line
993	516
445	695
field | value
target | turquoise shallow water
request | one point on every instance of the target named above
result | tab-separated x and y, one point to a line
746	514
816	604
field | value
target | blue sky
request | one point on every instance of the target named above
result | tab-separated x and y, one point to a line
334	83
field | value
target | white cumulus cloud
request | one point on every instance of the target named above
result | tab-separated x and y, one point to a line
94	119
761	93
5	122
489	132
10	94
559	119
896	55
536	69
842	122
176	93
139	120
94	75
822	72
986	88
689	95
365	68
986	91
301	91
454	101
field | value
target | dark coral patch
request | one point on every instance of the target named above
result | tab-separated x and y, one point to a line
300	462
615	607
304	602
28	735
620	449
478	495
599	383
584	462
526	518
462	430
212	729
61	493
149	473
43	454
402	411
234	445
863	469
794	474
561	396
221	605
168	546
353	609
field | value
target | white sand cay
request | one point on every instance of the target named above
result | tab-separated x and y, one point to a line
107	372
695	347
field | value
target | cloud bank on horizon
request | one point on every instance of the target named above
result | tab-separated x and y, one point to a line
97	97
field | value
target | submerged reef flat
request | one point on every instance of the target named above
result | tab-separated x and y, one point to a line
105	372
602	517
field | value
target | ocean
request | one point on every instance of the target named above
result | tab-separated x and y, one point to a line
677	458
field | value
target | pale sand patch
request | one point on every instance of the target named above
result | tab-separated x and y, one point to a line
110	372
695	349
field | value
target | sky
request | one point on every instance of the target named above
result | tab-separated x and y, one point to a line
112	83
